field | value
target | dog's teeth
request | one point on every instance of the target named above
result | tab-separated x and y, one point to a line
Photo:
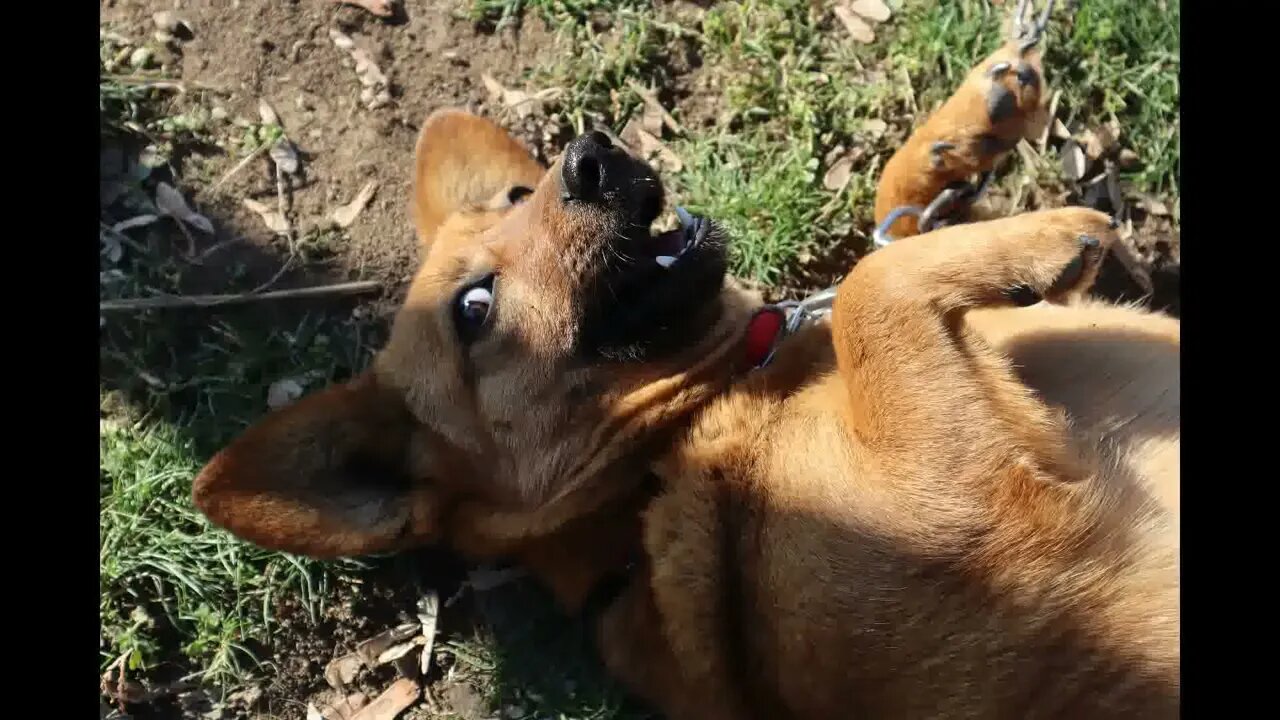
686	219
665	261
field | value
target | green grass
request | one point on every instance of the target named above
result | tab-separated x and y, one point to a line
787	87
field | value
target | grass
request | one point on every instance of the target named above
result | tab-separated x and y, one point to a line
770	93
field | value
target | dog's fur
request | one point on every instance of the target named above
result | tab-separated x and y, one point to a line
939	505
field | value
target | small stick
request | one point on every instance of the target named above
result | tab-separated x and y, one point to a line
239	166
162	84
1048	126
189	301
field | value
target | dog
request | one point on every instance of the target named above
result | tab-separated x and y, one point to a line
958	497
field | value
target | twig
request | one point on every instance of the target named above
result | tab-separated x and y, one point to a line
190	301
1048	126
159	84
240	166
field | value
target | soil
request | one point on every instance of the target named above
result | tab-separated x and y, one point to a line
281	51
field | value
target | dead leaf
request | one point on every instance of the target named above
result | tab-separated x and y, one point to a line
1074	163
874	10
838	174
170	202
1129	159
1060	130
283	392
275	222
285	156
1097	143
395	652
875	127
370	650
344	216
1153	206
313	713
375	87
428	612
346	708
342	671
381	8
133	222
341	40
858	28
653	105
654	151
495	88
396	699
267	113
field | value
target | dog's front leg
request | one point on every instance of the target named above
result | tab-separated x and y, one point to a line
998	104
635	649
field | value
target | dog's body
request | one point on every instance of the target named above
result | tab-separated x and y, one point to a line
937	506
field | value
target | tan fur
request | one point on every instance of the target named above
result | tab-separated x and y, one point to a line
912	177
938	506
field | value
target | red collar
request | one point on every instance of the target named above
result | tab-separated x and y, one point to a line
762	334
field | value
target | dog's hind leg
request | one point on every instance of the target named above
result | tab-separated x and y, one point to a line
924	387
998	104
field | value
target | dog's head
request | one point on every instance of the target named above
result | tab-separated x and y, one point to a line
548	340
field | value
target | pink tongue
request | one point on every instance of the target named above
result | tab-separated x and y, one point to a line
669	243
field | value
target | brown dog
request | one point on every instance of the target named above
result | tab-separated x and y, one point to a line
940	505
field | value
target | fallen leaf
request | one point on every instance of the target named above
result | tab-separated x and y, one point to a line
395	652
375	86
858	28
275	222
283	392
428	612
285	156
313	713
370	650
344	216
1153	206
341	39
394	700
872	10
267	113
1129	159
342	671
653	150
654	105
1060	130
495	88
381	8
1097	143
875	127
1073	161
133	222
346	708
838	174
170	202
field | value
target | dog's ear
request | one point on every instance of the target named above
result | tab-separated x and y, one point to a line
464	162
330	476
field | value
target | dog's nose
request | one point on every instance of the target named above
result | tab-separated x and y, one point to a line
587	161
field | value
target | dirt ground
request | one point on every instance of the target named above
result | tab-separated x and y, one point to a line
281	51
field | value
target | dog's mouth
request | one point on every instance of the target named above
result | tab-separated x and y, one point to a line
657	292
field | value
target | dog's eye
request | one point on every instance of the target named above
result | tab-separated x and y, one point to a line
472	308
518	193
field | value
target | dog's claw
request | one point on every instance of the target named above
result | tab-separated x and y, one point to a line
1028	34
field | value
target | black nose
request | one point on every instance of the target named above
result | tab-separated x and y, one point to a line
587	161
